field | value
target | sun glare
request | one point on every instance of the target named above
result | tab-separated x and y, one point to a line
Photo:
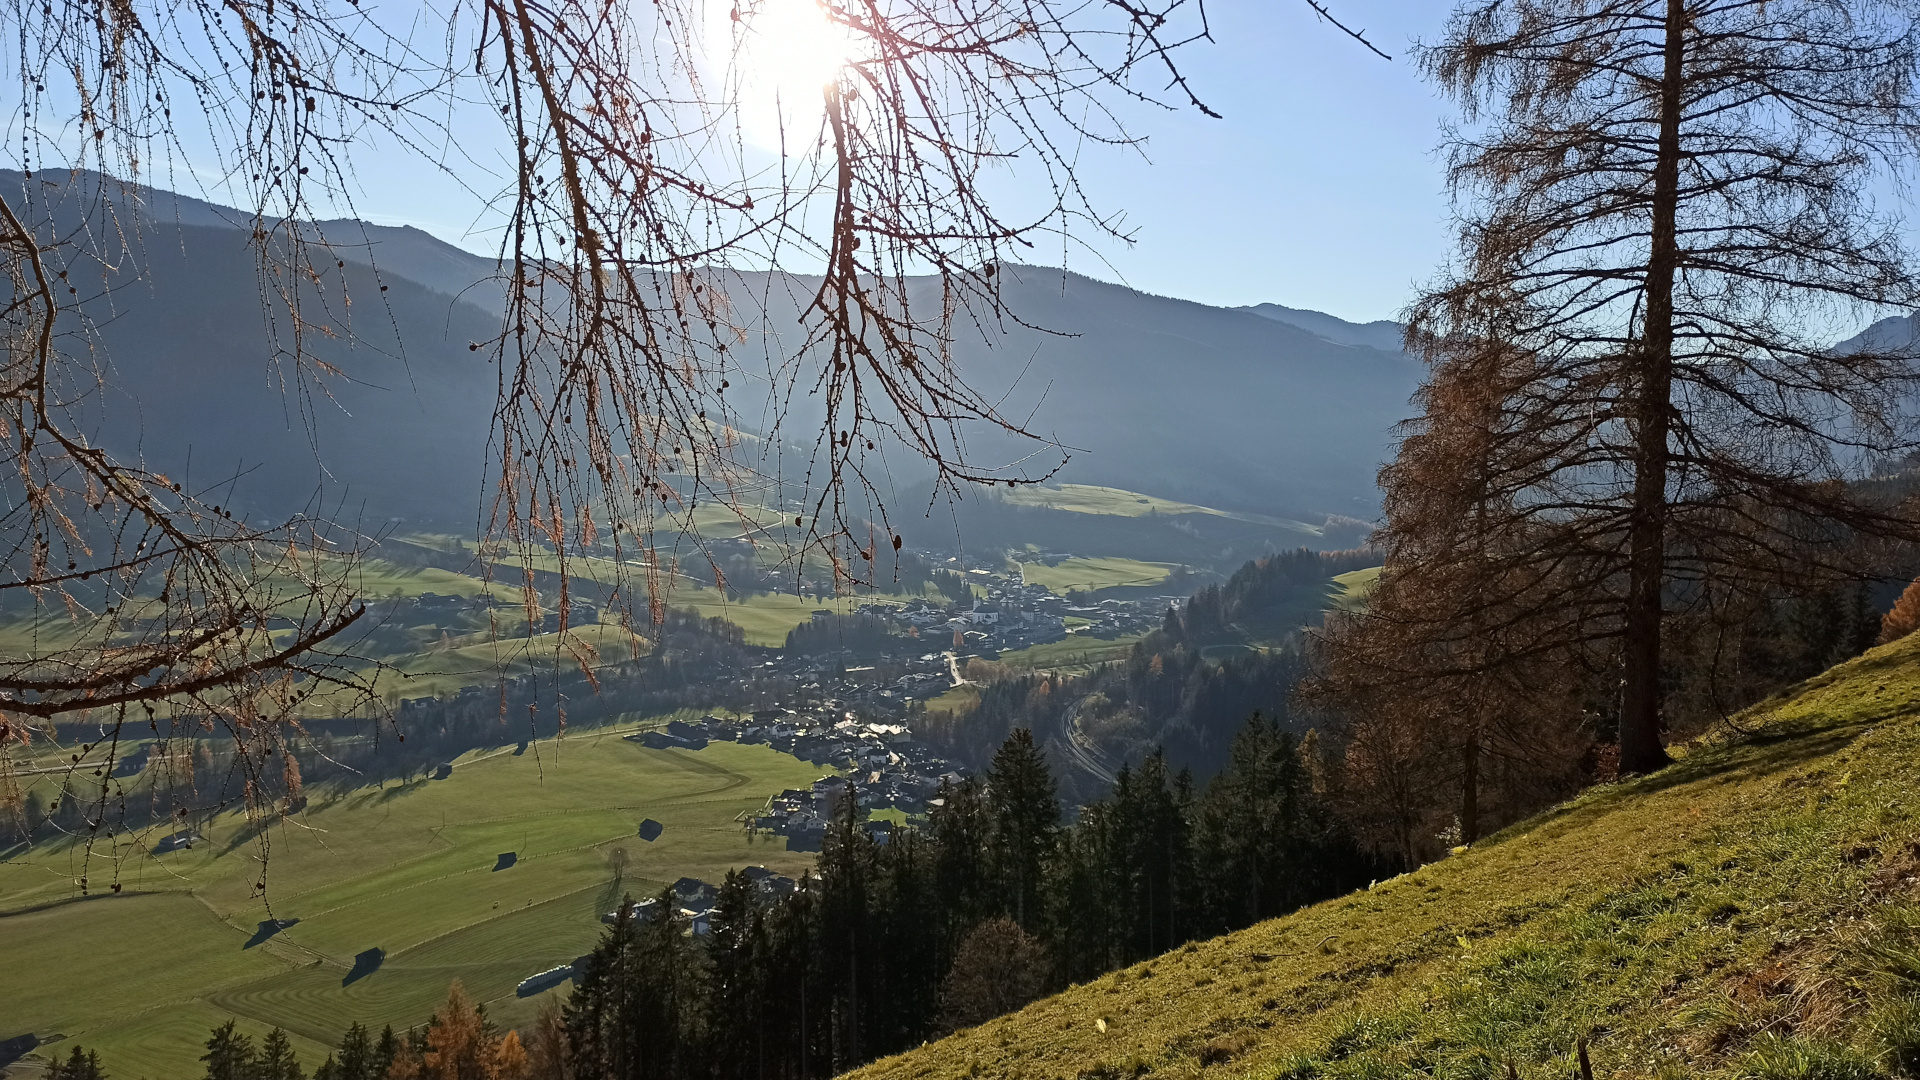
789	51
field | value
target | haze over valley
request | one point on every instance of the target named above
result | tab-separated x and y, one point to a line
1275	412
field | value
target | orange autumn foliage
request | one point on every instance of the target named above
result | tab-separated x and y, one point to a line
462	1046
1904	619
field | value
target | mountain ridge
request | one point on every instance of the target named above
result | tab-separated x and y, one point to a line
1382	334
1222	407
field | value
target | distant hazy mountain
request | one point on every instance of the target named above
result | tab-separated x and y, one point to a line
1211	405
193	387
1896	332
1381	334
1240	409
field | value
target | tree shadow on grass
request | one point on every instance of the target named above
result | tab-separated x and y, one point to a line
405	787
12	1050
1775	747
1778	748
365	964
244	834
610	894
266	929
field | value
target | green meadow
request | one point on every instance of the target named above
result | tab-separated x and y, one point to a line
1072	654
1119	502
1093	574
764	617
408	868
477	659
1351	590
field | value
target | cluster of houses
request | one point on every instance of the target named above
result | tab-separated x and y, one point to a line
1111	618
1016	614
884	765
989	625
1008	613
802	814
696	898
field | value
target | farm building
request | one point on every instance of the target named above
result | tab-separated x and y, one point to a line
545	980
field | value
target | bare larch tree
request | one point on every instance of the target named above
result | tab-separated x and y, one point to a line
1668	217
1456	692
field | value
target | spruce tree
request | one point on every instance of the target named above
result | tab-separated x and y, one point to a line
638	1015
962	828
736	956
80	1064
1082	918
229	1054
358	1058
794	963
1261	841
1152	858
596	1013
1021	795
846	872
277	1061
384	1052
911	950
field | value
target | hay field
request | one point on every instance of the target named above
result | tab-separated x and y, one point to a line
1352	589
1094	574
1119	502
1073	654
407	868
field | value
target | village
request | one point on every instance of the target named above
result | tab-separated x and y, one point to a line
883	767
875	660
841	694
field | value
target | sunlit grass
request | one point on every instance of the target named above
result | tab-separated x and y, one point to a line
406	867
1351	589
1071	654
1118	502
1093	574
1670	919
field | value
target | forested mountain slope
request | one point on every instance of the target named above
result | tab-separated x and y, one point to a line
1382	334
1752	910
1217	406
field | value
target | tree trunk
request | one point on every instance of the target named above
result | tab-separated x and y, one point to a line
1640	748
1470	790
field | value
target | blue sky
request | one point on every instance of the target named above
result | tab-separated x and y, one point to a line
1319	188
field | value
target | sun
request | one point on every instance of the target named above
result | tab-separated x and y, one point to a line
788	53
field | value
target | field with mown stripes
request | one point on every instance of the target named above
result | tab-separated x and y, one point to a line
405	868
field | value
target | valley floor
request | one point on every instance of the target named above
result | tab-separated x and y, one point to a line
405	868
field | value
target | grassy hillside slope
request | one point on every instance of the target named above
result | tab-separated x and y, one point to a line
1753	910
